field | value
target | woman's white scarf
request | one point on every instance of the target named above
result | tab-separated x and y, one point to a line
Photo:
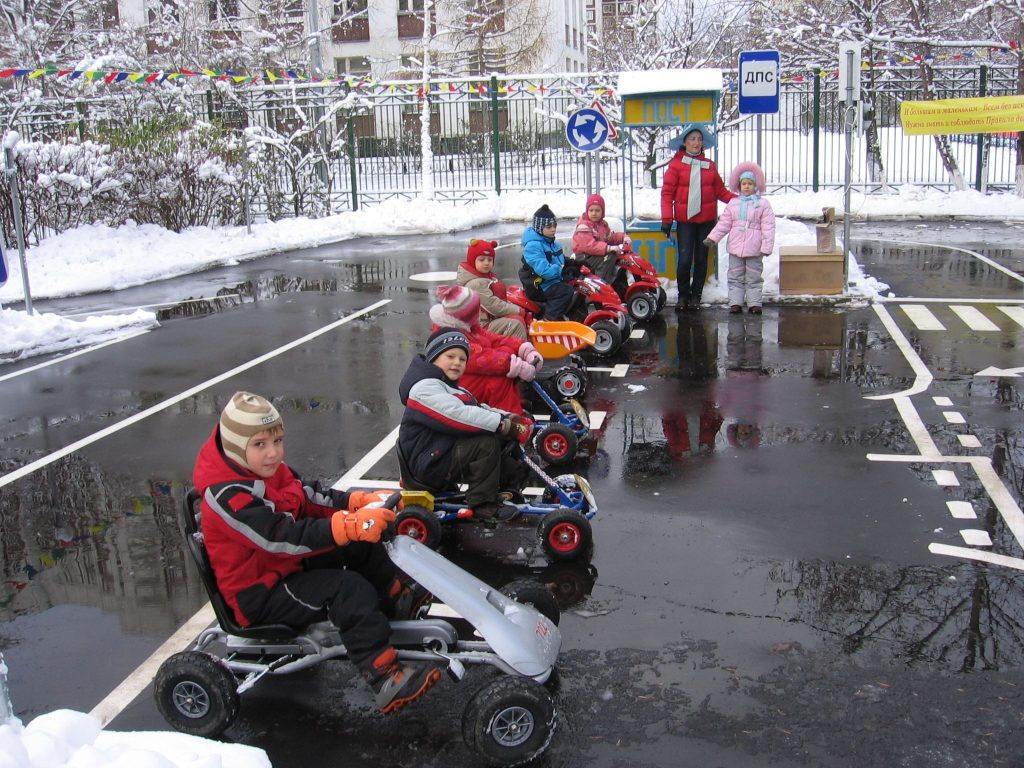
693	199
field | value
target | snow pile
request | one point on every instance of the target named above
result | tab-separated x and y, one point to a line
39	334
74	739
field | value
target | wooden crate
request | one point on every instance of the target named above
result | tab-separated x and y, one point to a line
803	269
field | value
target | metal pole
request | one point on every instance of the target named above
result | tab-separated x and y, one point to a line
758	152
816	142
588	174
980	170
19	227
495	136
246	188
597	173
848	127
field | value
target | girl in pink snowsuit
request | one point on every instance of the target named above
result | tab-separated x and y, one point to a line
749	222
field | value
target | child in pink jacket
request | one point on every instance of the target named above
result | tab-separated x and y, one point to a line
594	243
749	222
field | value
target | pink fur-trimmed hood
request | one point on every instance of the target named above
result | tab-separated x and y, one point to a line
734	177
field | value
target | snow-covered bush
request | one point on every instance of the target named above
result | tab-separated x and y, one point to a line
181	176
63	185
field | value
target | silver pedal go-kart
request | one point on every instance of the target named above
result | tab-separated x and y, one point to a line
507	722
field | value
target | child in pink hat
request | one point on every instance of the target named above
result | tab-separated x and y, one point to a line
496	363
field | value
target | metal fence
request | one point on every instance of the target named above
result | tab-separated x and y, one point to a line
507	133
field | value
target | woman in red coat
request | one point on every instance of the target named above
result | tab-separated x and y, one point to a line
689	196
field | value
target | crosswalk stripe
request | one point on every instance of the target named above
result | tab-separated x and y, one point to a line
973	317
1014	313
922	317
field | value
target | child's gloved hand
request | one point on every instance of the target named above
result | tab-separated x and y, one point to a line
708	242
520	369
521	429
366	524
614	250
627	243
667	229
764	255
529	353
571	270
359	499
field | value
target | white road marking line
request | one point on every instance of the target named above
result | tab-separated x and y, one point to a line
973	318
922	376
922	317
1014	313
981	555
145	414
969	441
976	537
597	419
945	477
619	370
366	463
954	417
942	401
637	333
136	682
961	510
995	265
598	369
70	355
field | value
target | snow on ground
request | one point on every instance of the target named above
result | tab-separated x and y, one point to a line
97	258
68	739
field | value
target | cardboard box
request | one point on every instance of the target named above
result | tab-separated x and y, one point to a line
805	270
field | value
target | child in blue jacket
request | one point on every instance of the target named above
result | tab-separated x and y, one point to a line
544	266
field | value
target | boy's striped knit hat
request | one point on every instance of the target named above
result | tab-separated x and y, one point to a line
543	217
245	415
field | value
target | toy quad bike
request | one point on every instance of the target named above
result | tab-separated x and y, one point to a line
633	278
507	722
595	304
565	509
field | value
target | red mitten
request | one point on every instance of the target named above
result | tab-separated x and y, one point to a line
522	428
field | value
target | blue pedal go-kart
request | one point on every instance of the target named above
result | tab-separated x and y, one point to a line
564	510
508	721
557	440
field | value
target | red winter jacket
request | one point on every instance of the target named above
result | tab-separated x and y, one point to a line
675	191
256	531
593	238
490	355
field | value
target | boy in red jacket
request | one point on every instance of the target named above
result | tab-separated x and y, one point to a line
284	552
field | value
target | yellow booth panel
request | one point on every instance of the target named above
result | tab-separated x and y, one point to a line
661	252
674	111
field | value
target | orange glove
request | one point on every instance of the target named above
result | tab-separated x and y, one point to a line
359	499
521	429
366	524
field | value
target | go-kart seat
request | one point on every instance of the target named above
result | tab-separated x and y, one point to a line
221	609
409	481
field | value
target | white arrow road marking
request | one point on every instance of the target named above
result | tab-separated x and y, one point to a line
994	371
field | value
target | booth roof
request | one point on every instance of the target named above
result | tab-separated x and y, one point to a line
669	81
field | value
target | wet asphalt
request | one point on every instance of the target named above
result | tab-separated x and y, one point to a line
765	587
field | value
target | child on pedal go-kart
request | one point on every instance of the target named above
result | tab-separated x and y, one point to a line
448	436
287	552
477	272
497	364
594	243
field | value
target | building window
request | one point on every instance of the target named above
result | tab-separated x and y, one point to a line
163	11
349	21
352	66
410	6
223	9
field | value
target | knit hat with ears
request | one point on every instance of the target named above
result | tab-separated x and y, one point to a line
443	339
595	199
742	170
543	218
480	248
245	415
460	302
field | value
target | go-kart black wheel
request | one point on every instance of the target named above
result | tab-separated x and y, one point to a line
418	523
556	443
569	382
609	337
565	535
196	694
510	721
662	298
643	306
533	593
